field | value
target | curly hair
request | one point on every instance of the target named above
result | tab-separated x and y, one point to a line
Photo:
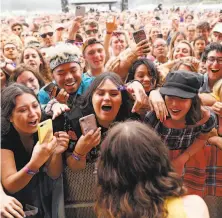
44	68
151	69
134	174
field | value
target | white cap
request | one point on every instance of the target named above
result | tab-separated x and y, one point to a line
217	28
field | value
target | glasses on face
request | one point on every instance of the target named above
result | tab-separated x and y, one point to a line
44	35
160	45
88	32
213	59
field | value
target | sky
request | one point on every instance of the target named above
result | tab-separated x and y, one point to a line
30	5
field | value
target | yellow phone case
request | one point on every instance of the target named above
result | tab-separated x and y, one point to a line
43	128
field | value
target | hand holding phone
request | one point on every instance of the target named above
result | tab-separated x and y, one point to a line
45	131
139	36
87	142
52	89
88	123
141	49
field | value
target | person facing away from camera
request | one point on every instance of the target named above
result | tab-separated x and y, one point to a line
135	178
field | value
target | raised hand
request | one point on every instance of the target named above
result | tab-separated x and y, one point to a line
142	48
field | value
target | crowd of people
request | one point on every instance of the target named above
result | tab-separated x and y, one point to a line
157	148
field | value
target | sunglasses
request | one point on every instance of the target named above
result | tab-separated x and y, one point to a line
44	35
88	32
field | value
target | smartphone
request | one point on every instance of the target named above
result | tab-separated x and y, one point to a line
139	36
51	87
80	11
45	128
88	123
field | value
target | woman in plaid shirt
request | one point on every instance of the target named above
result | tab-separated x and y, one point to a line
187	129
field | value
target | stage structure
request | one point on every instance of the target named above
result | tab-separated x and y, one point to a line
122	3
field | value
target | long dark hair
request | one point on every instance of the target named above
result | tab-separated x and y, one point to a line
8	103
150	66
134	173
86	100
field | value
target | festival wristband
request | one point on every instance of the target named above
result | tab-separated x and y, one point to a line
30	172
109	33
77	157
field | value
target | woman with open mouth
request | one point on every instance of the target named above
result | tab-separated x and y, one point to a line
33	58
187	128
30	170
107	98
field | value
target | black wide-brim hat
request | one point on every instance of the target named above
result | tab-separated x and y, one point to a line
182	84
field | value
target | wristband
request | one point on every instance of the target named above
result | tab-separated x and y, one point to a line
82	155
30	172
109	33
77	157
